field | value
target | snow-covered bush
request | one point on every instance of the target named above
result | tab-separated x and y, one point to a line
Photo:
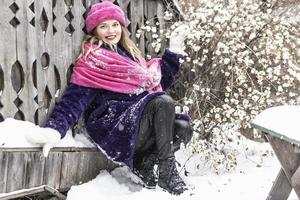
241	58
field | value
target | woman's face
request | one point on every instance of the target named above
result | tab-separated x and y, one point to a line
109	31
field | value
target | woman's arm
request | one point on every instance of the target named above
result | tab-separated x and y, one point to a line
170	60
169	67
67	111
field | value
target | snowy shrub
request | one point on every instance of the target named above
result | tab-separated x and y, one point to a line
242	57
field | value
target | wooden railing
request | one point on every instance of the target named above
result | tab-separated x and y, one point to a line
39	42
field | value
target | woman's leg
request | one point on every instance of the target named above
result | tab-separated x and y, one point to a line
164	117
157	128
145	156
183	133
155	120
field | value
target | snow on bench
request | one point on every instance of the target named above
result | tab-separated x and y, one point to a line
22	165
280	121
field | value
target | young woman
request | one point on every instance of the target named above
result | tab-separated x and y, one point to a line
126	111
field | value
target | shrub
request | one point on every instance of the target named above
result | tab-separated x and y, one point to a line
242	57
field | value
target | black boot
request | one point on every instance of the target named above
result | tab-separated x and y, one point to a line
169	178
157	127
144	168
164	117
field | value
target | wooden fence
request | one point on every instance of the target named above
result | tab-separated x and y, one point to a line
22	168
39	42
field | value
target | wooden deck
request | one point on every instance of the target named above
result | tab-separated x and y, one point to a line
22	168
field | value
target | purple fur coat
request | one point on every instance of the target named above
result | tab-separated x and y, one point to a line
111	119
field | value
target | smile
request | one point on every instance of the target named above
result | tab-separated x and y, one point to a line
110	37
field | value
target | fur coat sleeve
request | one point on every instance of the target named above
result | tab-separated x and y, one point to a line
169	68
68	110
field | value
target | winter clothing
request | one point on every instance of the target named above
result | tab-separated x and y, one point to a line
146	150
177	38
169	178
143	167
126	111
160	124
183	133
44	136
108	70
112	119
145	139
100	12
162	111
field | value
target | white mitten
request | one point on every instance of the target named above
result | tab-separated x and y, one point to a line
177	38
46	137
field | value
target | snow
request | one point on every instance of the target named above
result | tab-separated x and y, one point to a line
12	134
252	179
284	120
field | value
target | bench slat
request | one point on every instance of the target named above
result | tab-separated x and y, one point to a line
281	189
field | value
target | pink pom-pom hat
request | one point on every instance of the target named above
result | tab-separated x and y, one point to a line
100	12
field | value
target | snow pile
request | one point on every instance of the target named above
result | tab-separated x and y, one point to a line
284	120
252	179
13	135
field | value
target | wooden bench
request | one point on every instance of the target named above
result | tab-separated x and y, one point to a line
288	153
23	168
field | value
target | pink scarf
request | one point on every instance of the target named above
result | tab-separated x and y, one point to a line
108	70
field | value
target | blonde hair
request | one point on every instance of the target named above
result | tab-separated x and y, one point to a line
125	42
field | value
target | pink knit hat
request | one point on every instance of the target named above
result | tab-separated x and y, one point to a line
100	12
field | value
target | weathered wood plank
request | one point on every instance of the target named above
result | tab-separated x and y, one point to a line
88	162
26	47
78	23
8	56
287	157
35	169
137	21
161	26
93	163
3	171
52	170
295	180
69	169
62	40
284	151
281	188
44	60
32	191
124	5
150	10
16	171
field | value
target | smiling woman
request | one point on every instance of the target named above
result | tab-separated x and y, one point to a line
127	112
109	32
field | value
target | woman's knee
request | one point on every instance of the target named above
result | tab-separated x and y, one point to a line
165	101
183	131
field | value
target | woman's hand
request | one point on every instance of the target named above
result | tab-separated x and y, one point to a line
177	38
45	137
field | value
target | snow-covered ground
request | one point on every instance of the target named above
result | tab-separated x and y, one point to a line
252	179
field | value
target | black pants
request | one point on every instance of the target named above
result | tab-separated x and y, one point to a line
159	132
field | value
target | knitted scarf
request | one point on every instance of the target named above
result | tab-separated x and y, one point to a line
108	70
